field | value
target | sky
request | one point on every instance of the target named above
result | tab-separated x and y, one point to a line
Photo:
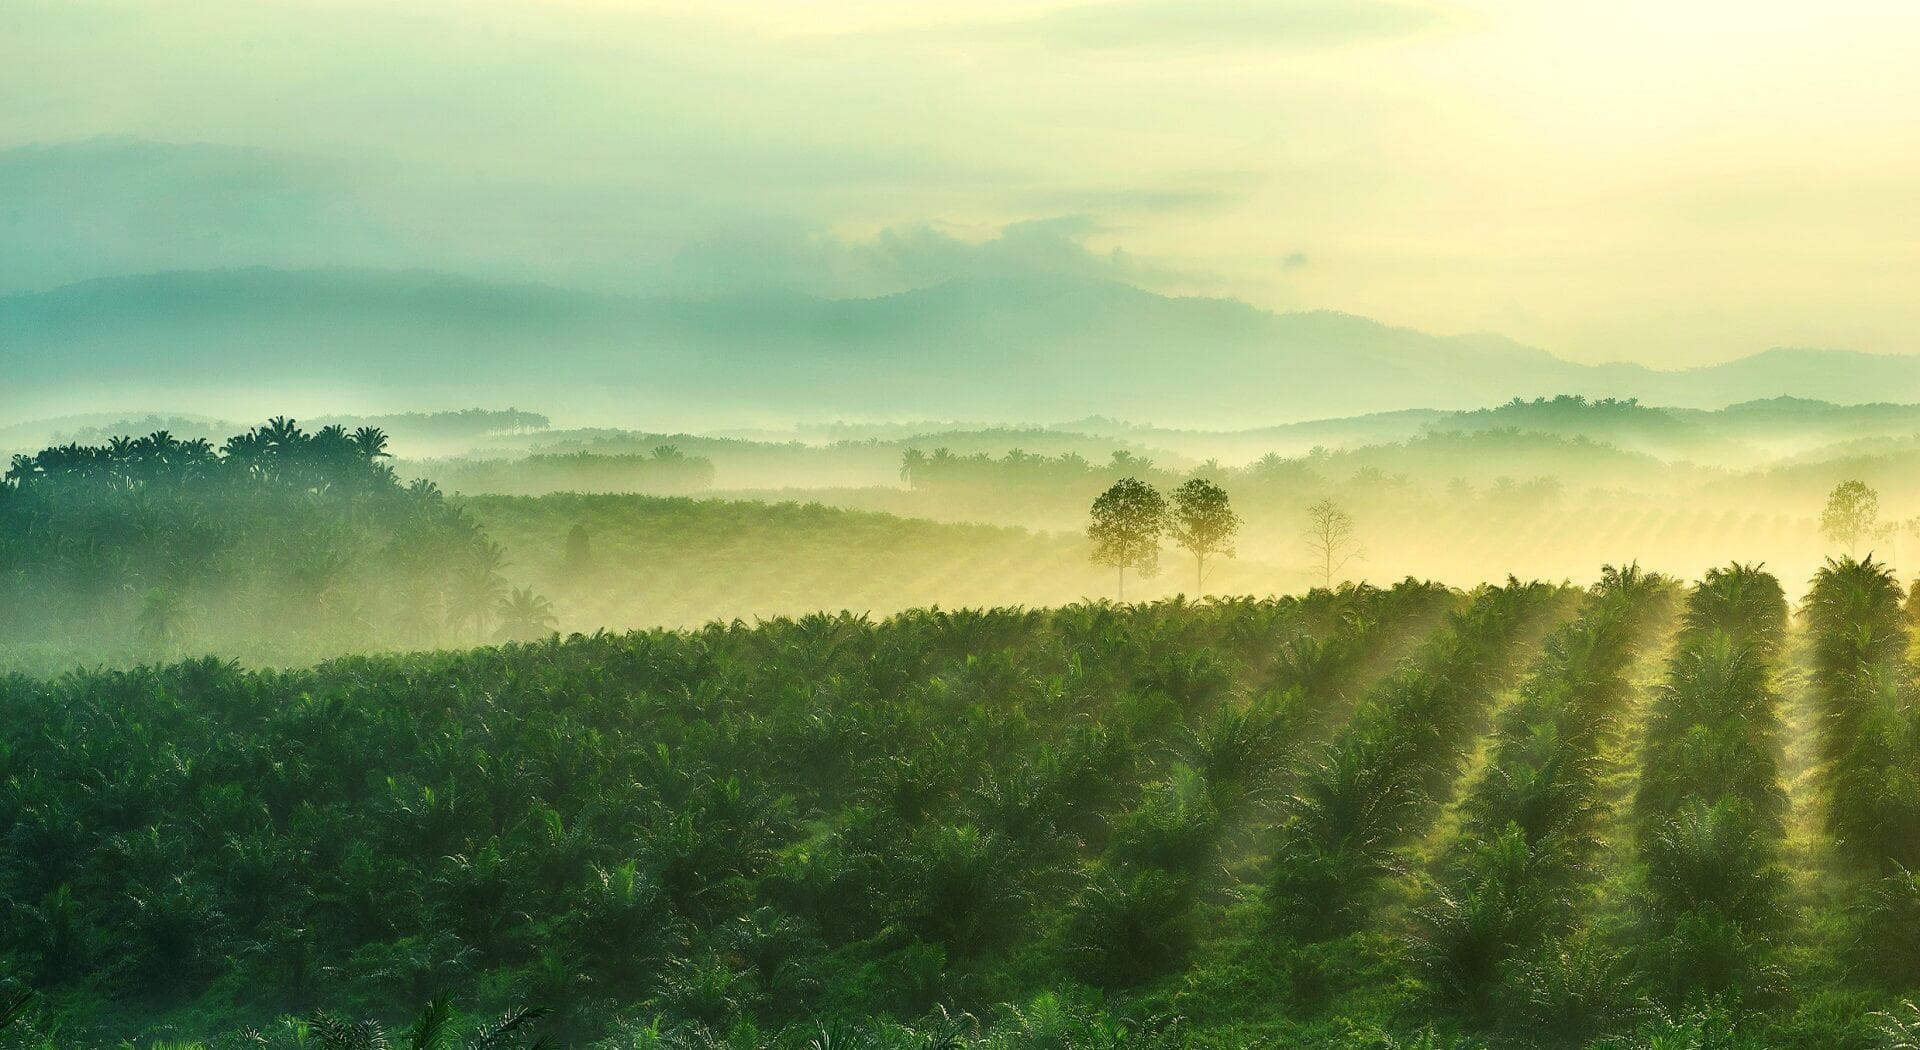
1665	183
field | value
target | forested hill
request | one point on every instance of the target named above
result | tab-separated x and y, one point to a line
280	545
1004	348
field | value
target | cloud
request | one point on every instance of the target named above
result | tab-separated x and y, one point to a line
70	211
913	256
113	206
1120	24
1187	194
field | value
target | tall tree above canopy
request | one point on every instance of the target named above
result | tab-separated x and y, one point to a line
579	550
1850	515
1128	520
1330	537
371	441
1204	523
912	463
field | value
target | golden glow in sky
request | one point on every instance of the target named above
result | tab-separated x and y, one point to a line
1672	183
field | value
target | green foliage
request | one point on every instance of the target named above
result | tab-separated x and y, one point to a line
280	546
1709	805
436	1027
674	561
1567	990
1870	743
1127	523
732	826
1851	512
1203	522
1126	931
664	470
1529	830
1709	1027
1370	788
1165	824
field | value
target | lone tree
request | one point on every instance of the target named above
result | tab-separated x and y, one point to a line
1852	511
579	551
1330	538
913	463
524	616
1889	533
1127	522
162	619
1205	524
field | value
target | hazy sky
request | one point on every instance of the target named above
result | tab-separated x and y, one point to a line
1668	182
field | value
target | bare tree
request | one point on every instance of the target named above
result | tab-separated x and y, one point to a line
1128	520
1889	533
1205	524
1330	536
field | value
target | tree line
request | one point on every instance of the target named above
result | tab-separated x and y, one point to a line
1131	518
665	470
281	544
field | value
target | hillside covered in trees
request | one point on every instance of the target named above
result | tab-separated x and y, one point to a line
279	545
623	530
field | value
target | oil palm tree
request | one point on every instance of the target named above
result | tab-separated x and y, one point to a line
524	616
162	618
913	462
477	589
371	441
435	1027
14	1007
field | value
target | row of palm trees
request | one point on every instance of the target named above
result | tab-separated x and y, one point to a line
1508	894
1036	821
1709	808
760	825
1870	751
1379	781
1138	917
277	450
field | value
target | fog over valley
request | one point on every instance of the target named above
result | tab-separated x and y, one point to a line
938	525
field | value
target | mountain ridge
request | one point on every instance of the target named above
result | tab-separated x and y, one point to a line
1018	346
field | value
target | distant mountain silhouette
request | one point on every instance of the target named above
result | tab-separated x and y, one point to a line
1002	348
